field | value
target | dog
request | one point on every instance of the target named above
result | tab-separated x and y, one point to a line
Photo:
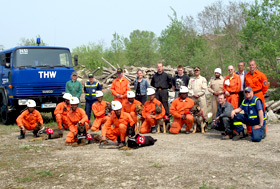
108	109
83	138
160	122
138	110
198	119
136	140
46	133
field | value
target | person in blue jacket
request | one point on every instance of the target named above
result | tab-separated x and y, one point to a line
254	116
140	86
90	88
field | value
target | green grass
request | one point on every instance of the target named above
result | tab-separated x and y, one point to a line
157	165
108	96
44	173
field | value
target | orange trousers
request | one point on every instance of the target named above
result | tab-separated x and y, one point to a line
61	119
70	138
96	125
147	124
28	126
233	99
113	133
178	123
133	116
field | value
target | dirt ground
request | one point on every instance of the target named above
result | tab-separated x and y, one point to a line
175	161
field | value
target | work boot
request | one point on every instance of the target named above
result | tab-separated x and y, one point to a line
22	135
122	144
226	137
154	129
35	132
241	135
188	132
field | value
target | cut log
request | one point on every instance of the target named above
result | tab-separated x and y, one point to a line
269	103
274	105
109	63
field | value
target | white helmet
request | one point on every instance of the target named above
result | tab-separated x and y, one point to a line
150	91
31	104
184	89
218	70
98	94
74	100
116	105
67	96
130	94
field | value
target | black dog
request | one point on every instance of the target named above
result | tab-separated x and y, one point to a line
136	141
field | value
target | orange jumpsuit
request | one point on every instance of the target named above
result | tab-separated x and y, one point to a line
177	109
29	120
233	89
115	126
130	108
120	87
73	117
149	107
98	110
60	115
258	82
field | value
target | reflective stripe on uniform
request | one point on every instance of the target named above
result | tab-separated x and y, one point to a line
237	123
253	116
86	85
252	104
91	94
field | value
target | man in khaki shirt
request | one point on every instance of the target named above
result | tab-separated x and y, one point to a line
197	88
216	87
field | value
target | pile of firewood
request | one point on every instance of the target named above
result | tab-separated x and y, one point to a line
130	73
272	105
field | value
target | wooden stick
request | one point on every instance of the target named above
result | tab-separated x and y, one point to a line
109	63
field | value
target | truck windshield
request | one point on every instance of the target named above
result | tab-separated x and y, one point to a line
42	58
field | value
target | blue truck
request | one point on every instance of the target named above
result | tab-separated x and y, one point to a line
33	72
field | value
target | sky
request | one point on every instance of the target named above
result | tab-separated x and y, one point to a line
72	23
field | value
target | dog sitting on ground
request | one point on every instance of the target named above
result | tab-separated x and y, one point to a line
138	110
160	122
198	119
84	138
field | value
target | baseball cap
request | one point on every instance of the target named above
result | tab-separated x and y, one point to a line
119	70
248	89
74	73
90	75
195	68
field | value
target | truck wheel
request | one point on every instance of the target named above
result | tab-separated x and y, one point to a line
6	117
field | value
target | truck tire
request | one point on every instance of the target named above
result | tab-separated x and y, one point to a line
7	117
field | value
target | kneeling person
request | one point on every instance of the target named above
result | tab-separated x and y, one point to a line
129	105
29	119
98	109
62	110
75	117
149	125
117	124
223	119
253	116
180	110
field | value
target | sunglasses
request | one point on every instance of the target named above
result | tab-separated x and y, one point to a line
247	92
196	70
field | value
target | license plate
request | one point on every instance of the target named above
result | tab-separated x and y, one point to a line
50	105
47	91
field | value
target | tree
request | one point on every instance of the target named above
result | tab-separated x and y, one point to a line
142	48
261	35
31	42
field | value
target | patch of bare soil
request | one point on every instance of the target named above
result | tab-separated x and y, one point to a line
175	161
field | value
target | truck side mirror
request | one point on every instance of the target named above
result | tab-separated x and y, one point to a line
76	60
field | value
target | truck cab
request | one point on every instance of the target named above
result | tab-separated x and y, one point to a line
32	72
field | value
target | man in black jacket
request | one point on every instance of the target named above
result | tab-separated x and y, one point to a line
162	82
223	119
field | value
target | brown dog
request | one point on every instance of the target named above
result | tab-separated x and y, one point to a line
108	108
198	119
46	133
138	110
160	122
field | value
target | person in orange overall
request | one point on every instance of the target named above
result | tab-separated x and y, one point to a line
98	109
180	110
28	119
149	125
129	105
117	124
259	83
120	86
62	110
76	116
232	86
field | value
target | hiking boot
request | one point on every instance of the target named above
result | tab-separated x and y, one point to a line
22	135
188	132
154	129
241	135
122	144
35	133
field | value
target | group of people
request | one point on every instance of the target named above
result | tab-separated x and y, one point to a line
227	103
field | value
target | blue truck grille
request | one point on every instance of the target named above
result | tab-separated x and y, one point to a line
39	91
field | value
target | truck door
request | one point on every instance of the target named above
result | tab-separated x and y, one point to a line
6	70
